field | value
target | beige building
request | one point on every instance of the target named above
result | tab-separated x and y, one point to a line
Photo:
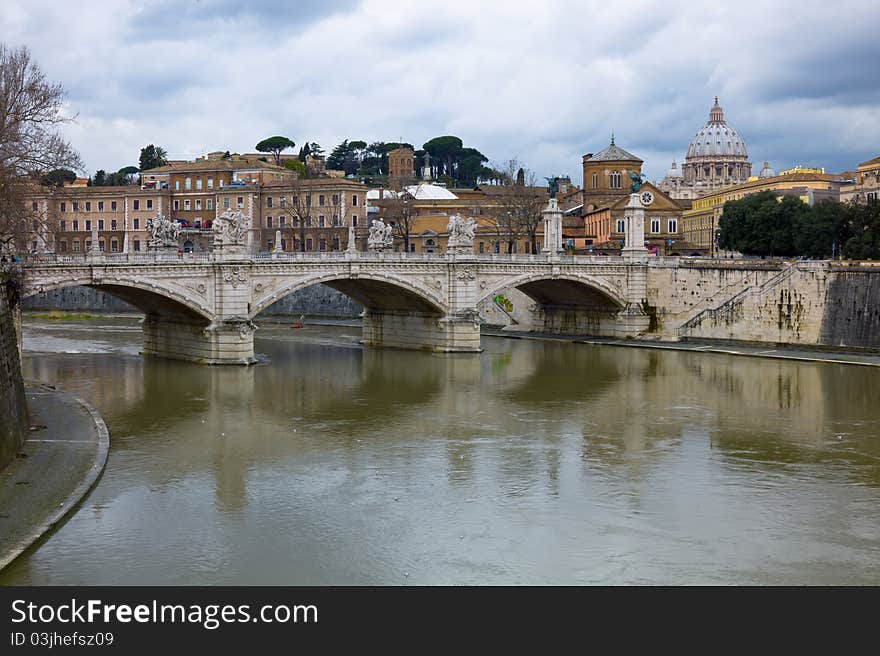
866	188
401	164
286	213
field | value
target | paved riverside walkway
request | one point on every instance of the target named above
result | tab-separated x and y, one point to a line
820	354
56	468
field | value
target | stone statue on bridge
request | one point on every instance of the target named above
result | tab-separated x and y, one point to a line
164	232
380	237
461	231
229	229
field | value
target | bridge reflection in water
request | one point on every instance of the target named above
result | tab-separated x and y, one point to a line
532	462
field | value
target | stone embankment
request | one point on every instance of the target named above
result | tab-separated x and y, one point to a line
13	407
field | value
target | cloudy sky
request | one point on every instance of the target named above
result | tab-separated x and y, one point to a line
544	81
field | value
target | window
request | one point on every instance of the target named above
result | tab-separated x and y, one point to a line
198	203
240	202
63	206
354	220
335	199
186	204
309	244
75	206
198	183
209	204
268	221
149	203
320	220
308	222
177	185
282	202
114	246
136	204
100	224
336	243
673	226
655	226
101	245
615	180
113	206
63	245
226	203
621	225
283	244
137	244
269	202
88	206
137	224
177	204
321	200
75	224
595	181
113	224
322	245
482	247
335	220
76	246
210	182
282	221
88	225
354	200
412	248
63	225
100	206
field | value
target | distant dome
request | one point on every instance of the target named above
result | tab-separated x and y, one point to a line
673	171
717	138
766	172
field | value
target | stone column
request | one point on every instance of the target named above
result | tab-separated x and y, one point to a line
552	228
632	319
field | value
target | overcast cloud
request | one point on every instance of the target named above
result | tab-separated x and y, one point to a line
546	82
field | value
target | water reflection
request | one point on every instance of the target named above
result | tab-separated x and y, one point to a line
540	462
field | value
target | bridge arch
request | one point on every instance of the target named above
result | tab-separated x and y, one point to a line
561	290
152	298
373	291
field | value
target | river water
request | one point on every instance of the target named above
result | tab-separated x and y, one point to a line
535	462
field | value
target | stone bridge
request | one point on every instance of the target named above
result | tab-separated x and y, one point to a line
202	307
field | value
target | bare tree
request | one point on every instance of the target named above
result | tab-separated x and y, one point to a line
30	146
399	211
297	206
519	204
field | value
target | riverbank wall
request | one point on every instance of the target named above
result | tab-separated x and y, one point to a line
825	304
13	406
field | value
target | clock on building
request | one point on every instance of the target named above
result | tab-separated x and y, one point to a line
647	198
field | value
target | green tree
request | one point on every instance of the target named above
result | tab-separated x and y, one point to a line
447	149
823	230
58	177
762	224
336	159
295	165
863	221
152	157
275	145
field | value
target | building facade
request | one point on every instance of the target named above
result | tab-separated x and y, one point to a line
866	186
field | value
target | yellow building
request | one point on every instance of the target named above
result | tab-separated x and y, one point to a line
699	225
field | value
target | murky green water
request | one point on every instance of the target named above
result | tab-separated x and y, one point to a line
534	462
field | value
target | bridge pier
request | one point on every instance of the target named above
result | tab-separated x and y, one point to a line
421	331
220	342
